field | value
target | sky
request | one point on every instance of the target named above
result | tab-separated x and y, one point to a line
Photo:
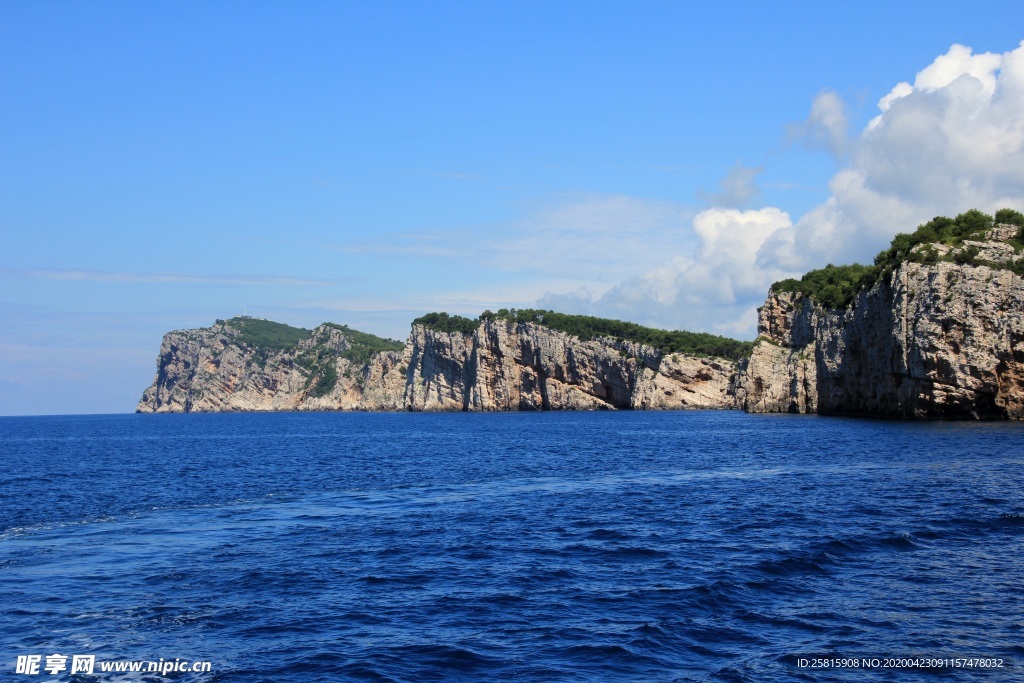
166	164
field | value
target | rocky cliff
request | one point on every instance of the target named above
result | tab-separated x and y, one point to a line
505	365
228	368
934	330
501	365
781	374
932	338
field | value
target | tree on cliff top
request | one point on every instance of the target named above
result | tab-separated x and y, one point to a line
586	327
836	286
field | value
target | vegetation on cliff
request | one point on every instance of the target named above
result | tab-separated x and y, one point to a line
442	322
319	359
265	334
586	327
836	286
271	336
363	346
266	337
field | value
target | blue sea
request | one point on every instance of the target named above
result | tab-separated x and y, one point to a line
623	546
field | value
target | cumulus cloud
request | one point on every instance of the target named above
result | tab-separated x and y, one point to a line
958	61
716	288
951	141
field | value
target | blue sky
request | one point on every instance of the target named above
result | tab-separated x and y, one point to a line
166	164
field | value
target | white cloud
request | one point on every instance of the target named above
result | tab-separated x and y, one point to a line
738	188
957	62
827	125
952	141
72	275
716	289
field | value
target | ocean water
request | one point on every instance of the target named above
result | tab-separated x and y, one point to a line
630	546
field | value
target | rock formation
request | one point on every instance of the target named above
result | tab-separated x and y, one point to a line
526	366
215	369
781	374
941	340
502	365
938	332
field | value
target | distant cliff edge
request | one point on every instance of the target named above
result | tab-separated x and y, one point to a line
512	360
934	330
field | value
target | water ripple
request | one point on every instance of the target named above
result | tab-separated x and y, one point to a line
552	547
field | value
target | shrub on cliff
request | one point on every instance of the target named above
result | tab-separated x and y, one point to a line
836	286
588	327
442	322
324	381
362	346
949	231
831	286
266	334
1010	217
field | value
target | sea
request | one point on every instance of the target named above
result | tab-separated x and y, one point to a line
549	546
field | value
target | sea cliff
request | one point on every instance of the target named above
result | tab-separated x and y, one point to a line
239	365
934	330
508	365
938	340
500	365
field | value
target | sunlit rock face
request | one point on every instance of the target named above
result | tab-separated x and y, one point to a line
500	366
940	341
525	366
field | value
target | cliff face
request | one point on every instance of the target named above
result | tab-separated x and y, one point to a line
524	366
941	341
212	370
939	336
781	374
501	366
930	341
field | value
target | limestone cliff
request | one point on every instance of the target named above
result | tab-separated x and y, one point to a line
934	330
506	365
781	374
501	365
222	368
943	339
